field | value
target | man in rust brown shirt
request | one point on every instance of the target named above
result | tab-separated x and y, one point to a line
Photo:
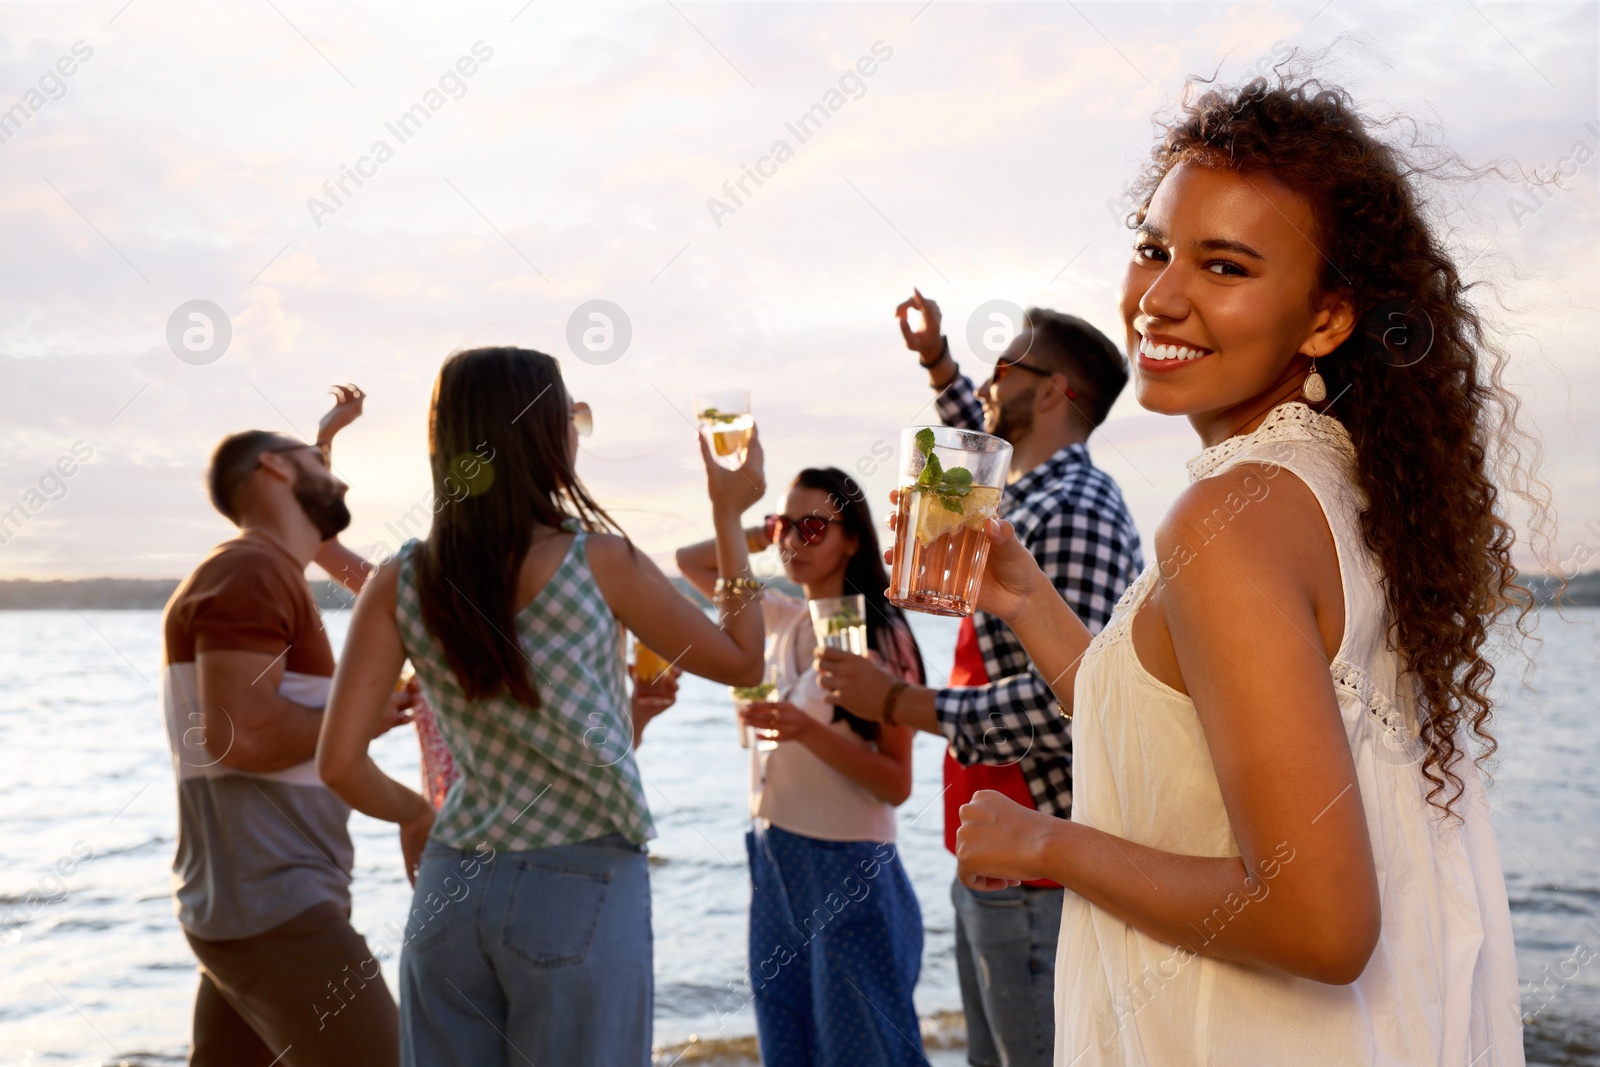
262	874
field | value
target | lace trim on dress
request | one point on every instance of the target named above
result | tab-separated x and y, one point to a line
1127	605
1399	740
1398	734
1286	422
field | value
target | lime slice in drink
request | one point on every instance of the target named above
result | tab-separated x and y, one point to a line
934	520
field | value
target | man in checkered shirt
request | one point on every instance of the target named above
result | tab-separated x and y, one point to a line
1050	388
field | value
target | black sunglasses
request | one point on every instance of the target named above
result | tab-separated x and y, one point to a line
811	528
322	457
1003	368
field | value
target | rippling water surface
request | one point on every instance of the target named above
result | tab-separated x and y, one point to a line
94	969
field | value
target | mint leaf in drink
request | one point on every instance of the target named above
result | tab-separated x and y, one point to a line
948	486
842	623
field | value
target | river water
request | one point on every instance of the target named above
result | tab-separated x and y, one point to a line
93	968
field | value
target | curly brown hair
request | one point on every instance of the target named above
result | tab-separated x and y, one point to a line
1418	383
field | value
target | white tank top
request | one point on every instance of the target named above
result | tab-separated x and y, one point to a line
789	787
1441	987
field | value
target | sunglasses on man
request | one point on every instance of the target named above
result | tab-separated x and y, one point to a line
322	456
1003	368
810	528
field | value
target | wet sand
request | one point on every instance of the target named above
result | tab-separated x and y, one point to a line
944	1042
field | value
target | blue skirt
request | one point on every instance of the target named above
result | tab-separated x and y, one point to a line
835	948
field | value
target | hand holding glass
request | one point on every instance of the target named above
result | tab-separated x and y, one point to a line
726	423
951	482
841	622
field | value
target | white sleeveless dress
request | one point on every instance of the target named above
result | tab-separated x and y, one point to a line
1441	987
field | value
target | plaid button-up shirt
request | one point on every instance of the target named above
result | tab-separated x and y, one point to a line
1071	516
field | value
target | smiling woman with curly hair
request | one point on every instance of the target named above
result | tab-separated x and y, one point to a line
1280	847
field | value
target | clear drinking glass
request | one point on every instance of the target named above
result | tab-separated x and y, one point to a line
726	423
841	622
950	485
743	697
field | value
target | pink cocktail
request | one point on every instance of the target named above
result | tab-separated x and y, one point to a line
951	483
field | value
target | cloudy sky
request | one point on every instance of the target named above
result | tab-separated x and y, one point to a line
194	153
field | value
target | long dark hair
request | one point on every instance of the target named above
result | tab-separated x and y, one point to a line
497	444
1426	410
888	633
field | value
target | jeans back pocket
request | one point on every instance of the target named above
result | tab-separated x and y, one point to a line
553	910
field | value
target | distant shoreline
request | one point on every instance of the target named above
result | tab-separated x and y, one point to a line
152	594
122	594
146	594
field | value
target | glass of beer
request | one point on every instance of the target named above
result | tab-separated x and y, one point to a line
841	622
726	423
950	486
647	666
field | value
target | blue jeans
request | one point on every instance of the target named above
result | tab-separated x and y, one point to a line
1006	961
835	947
519	957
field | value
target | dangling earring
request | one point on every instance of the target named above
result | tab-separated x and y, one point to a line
1314	388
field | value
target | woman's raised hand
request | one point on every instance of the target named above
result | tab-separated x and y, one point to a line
1010	576
735	490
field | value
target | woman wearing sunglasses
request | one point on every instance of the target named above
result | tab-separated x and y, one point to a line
835	930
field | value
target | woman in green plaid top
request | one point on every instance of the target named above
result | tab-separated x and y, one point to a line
529	933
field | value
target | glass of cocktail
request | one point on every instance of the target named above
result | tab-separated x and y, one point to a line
743	697
726	423
647	665
950	486
841	622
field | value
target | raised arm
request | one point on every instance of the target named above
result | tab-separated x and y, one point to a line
341	564
698	562
728	651
957	404
347	404
344	566
1247	623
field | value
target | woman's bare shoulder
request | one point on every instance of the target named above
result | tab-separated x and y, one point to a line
1248	547
1249	512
